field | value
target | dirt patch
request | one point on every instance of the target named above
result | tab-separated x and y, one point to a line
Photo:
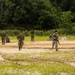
72	64
41	45
36	47
1	59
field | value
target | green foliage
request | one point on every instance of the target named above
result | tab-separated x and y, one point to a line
73	28
12	32
29	14
41	33
66	22
38	14
37	32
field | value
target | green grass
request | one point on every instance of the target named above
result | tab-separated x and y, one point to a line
39	38
55	56
47	63
43	68
36	38
71	38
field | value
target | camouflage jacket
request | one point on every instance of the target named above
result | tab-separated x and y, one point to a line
3	34
20	38
55	37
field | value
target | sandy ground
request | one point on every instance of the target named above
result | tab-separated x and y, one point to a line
36	47
40	45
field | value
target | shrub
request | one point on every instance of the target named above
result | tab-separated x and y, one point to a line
12	32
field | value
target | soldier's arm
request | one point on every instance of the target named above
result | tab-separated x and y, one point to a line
23	37
58	39
17	37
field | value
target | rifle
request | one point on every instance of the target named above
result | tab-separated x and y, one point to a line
58	41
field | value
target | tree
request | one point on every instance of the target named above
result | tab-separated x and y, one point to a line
37	14
66	21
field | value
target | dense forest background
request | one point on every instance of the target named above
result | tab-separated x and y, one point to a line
38	14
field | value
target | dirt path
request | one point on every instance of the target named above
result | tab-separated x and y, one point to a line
41	45
36	47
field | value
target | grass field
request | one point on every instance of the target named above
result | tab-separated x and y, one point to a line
42	38
44	63
36	38
71	38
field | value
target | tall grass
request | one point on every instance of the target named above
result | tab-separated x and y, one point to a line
47	63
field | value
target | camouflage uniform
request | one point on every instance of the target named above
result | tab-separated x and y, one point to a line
32	35
7	39
41	33
55	42
50	37
20	38
25	32
3	37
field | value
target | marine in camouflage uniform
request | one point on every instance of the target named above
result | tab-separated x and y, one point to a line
32	35
3	37
55	39
20	38
25	32
41	33
7	39
50	37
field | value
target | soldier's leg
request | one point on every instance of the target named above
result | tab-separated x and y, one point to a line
56	46
3	41
19	46
53	44
32	38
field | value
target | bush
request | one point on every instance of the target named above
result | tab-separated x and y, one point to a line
63	31
43	32
73	30
12	32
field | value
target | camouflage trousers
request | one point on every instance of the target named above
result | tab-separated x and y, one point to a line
32	38
55	44
20	44
3	41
